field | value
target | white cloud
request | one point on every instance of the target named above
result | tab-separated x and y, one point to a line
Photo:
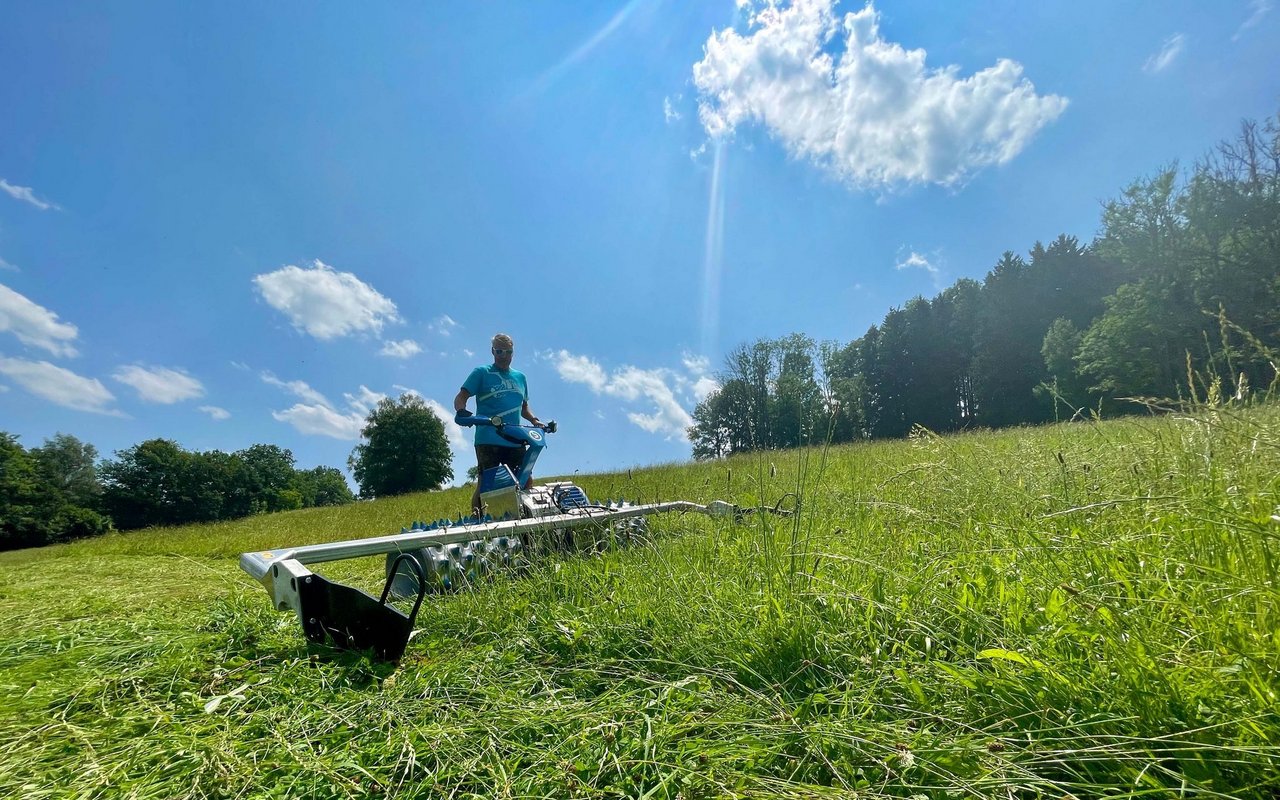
59	386
3	388
580	369
452	430
917	261
364	400
34	324
5	265
218	414
468	353
631	384
300	389
872	113
1167	55
318	416
443	325
405	348
325	303
695	364
240	365
704	387
669	111
159	384
322	421
1260	9
26	195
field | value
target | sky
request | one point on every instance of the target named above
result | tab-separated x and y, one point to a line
236	223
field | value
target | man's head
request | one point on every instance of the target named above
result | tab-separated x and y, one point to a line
502	349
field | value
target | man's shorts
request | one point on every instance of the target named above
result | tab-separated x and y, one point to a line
491	455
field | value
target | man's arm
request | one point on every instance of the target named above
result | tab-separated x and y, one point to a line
529	415
460	402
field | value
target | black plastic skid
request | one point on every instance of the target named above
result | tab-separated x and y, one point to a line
350	619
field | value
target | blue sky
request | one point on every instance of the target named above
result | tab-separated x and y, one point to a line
227	223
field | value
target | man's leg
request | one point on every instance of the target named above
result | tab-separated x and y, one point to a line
484	460
513	457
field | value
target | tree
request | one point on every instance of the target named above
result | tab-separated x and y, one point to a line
68	464
34	510
322	486
144	485
721	422
1061	344
772	395
270	474
21	503
404	449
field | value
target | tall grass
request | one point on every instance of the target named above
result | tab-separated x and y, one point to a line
1078	610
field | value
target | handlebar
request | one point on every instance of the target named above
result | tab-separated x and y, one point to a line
465	418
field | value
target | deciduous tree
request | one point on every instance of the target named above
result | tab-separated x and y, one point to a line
404	449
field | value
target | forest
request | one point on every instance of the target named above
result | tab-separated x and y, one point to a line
1179	293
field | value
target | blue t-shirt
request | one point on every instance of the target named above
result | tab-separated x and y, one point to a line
497	394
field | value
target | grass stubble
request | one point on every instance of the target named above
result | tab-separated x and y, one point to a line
1079	610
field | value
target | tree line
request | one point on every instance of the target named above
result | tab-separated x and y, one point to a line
58	492
1183	279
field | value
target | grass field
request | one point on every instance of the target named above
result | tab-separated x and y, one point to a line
1080	610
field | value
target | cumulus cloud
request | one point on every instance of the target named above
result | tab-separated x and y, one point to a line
872	113
59	386
656	388
217	414
35	325
405	348
26	195
580	369
325	303
1169	52
704	387
317	420
701	384
159	384
317	416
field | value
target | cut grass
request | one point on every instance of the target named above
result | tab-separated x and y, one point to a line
1076	610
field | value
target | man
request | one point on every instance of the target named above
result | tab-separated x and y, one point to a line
500	391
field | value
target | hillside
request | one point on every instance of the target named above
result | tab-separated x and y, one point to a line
1057	612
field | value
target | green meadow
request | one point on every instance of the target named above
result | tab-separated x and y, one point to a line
1072	611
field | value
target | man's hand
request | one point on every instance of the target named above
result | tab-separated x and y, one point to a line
462	417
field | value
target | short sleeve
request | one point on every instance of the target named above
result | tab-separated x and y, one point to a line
475	381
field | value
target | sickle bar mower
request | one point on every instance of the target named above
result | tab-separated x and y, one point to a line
449	554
